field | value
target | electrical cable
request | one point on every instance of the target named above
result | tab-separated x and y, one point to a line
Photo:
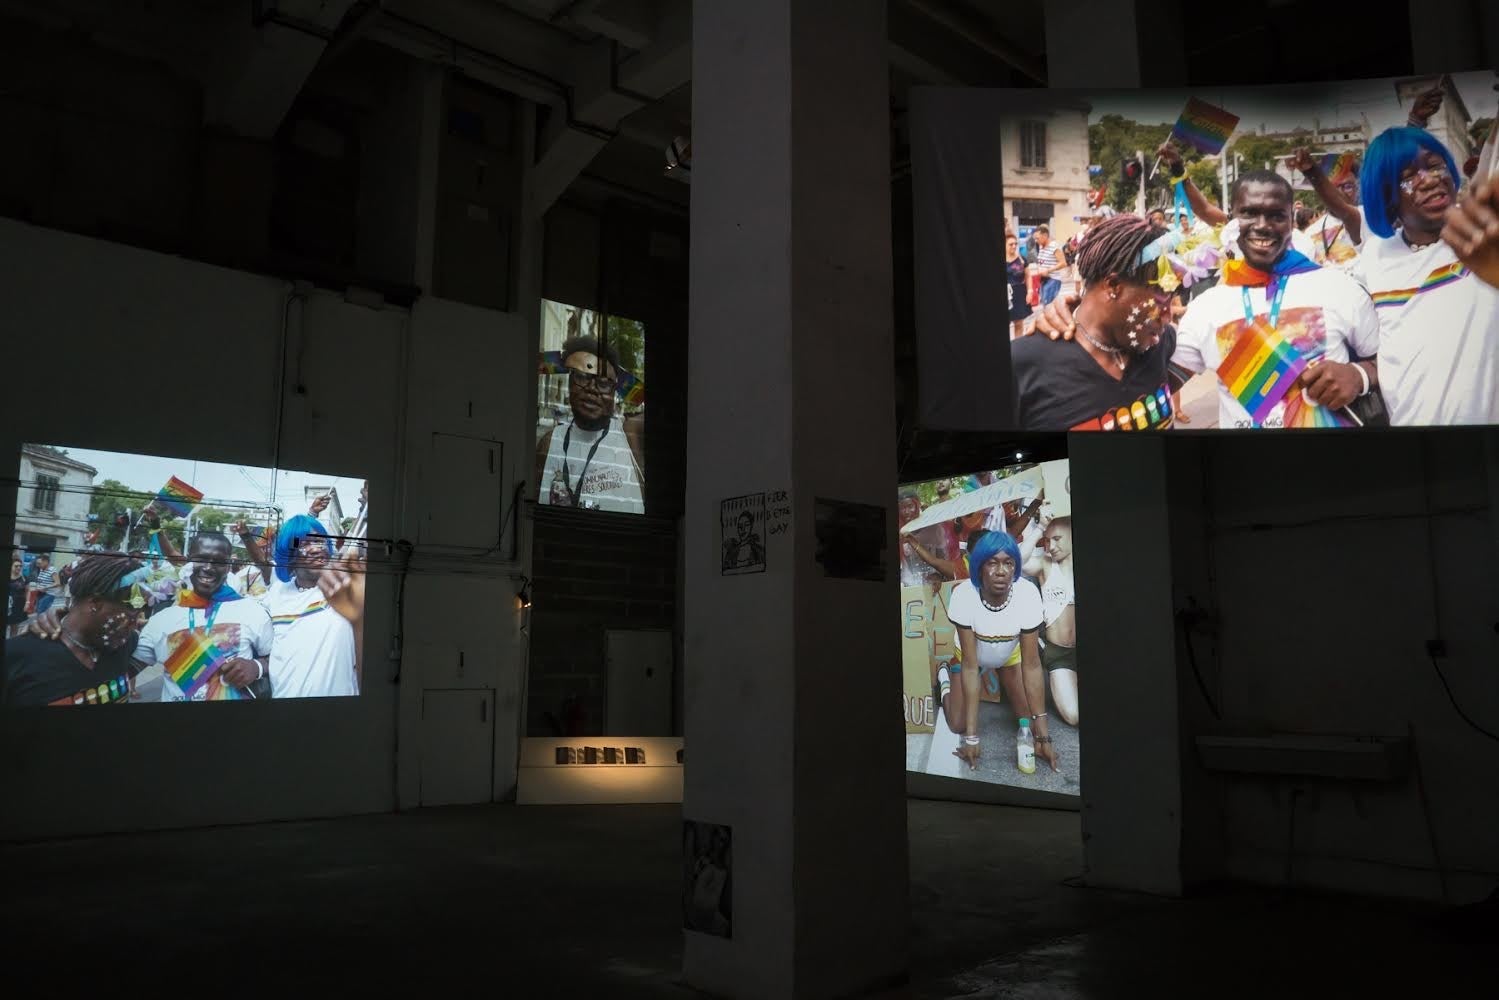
1202	686
1436	604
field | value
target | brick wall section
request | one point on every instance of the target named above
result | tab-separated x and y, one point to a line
591	573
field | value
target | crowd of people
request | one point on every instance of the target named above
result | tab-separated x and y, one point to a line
281	616
1381	308
1006	576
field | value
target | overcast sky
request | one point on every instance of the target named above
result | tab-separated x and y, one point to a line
229	485
1283	108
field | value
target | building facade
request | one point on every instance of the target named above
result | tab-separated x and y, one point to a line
52	502
1451	123
1046	169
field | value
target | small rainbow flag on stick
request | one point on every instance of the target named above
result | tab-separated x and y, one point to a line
631	389
1338	167
195	662
1260	369
178	497
1204	127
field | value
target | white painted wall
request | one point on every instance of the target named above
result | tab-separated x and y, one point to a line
92	309
1330	559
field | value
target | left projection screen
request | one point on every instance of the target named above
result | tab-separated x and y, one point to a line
139	579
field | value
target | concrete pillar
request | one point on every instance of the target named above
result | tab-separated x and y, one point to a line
792	738
1115	43
1131	771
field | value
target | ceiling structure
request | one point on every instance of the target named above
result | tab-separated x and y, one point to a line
613	75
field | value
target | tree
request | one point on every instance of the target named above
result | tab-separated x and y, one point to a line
109	501
1479	131
627	337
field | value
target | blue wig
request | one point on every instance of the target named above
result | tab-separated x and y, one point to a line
1391	152
994	543
291	533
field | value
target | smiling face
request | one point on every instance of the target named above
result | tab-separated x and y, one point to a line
210	558
1427	190
997	576
1012	248
309	558
1263	211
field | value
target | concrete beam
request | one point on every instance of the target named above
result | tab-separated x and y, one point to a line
257	70
605	96
629	22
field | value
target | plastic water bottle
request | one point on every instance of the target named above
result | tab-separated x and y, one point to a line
1025	748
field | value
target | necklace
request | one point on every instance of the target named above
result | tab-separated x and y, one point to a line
1119	354
81	646
1404	235
991	607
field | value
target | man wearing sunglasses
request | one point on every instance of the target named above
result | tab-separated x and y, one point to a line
596	460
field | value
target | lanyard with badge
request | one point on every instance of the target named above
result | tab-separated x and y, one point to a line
213	612
1280	294
576	493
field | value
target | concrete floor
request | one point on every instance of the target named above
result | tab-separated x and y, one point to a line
584	902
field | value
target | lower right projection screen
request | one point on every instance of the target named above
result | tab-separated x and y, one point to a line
989	627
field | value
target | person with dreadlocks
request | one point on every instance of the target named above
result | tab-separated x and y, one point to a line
1269	295
209	643
1113	375
1429	263
92	664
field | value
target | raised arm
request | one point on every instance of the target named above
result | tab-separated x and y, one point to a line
152	521
1206	210
1338	207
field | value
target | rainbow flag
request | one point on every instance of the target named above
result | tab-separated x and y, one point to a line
195	662
1338	167
1260	369
631	389
1300	412
1204	127
177	497
1444	275
550	363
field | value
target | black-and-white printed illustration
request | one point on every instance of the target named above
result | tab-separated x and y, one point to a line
741	523
708	884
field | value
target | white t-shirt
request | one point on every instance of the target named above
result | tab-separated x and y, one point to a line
1332	244
1439	334
612	481
1056	591
241	629
312	653
1325	305
997	632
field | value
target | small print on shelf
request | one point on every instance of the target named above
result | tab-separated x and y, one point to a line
600	755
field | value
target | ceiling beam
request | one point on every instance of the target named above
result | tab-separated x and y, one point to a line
608	92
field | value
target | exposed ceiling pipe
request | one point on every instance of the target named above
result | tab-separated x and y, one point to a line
981	35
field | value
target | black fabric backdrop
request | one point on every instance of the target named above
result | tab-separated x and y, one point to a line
964	378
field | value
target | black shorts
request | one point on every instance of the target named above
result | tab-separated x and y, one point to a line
1055	657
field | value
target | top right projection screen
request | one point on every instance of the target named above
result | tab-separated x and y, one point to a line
1254	258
